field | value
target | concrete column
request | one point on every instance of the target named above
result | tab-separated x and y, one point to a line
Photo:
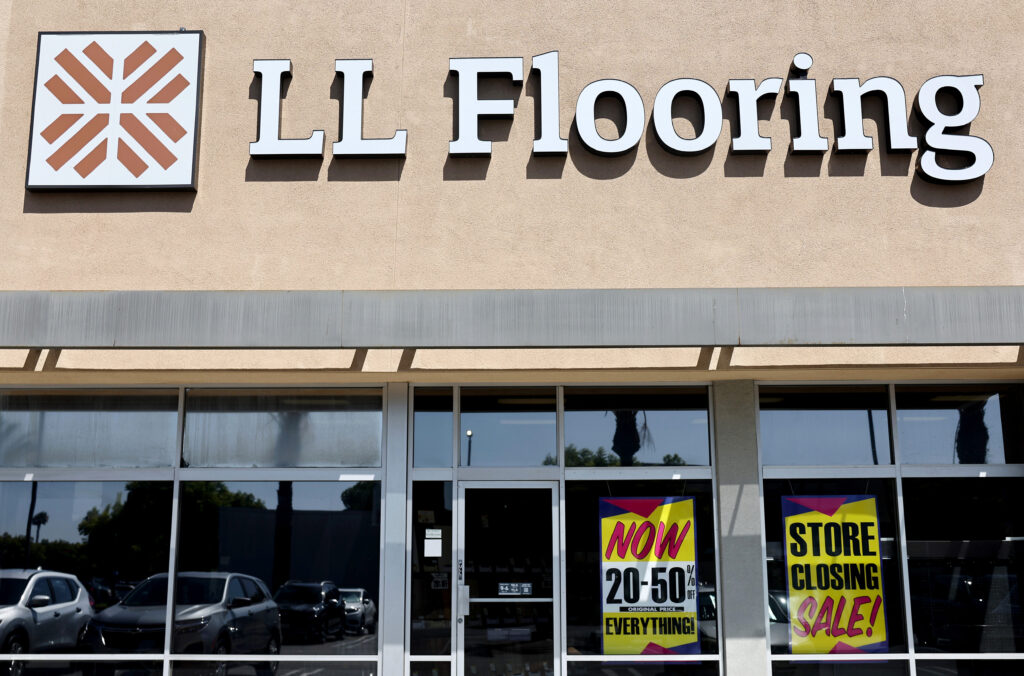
392	601
740	591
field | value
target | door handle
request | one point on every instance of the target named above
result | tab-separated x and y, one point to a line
463	609
78	610
56	614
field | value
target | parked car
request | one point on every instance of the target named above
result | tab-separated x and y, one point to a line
216	613
360	611
310	610
41	610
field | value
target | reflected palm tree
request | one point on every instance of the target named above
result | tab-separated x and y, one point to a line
629	437
971	442
286	454
40	520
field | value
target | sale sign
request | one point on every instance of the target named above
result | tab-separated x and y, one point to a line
649	576
834	574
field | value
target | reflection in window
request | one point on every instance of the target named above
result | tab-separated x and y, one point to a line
277	545
969	668
840	669
780	612
87	428
824	426
583	591
430	586
430	669
643	669
64	542
273	669
965	544
432	427
969	424
635	426
283	428
507	427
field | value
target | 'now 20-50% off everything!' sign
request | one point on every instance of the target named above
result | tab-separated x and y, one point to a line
648	576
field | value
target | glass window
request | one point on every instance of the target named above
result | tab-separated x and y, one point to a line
433	425
270	668
966	424
61	593
109	535
969	668
825	425
643	669
431	580
833	566
283	428
290	537
88	428
430	669
880	668
636	426
965	545
508	427
41	587
596	580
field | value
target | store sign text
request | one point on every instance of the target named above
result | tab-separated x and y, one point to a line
943	135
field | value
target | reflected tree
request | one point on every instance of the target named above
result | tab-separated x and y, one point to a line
39	520
286	452
629	437
971	443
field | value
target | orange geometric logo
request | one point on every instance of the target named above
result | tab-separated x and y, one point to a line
115	110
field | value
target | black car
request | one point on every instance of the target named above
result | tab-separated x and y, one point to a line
310	611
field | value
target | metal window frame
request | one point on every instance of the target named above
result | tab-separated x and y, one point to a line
559	473
896	471
175	474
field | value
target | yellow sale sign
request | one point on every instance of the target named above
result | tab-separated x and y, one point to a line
834	574
649	576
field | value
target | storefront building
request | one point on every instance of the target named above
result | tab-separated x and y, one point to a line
549	340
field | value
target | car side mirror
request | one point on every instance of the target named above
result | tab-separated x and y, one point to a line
333	602
240	602
39	600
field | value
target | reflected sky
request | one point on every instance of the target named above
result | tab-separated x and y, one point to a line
509	439
824	437
929	435
670	432
65	502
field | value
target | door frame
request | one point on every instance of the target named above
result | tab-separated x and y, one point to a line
460	591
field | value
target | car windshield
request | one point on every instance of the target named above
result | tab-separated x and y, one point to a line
351	597
190	591
10	591
297	594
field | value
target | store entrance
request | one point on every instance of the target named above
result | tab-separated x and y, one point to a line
508	584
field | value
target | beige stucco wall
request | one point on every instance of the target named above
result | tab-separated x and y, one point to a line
643	220
641	228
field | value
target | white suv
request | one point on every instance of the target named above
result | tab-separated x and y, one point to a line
41	610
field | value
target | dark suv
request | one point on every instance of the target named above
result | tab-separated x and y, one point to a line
215	613
311	610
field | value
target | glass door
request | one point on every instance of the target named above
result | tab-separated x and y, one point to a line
508	585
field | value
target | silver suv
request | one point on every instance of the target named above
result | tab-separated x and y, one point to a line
215	613
42	610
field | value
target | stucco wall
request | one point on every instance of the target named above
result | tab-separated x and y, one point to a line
432	221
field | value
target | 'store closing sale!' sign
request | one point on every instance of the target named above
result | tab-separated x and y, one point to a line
834	574
648	576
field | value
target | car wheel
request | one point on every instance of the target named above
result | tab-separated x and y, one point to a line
221	668
15	644
269	668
